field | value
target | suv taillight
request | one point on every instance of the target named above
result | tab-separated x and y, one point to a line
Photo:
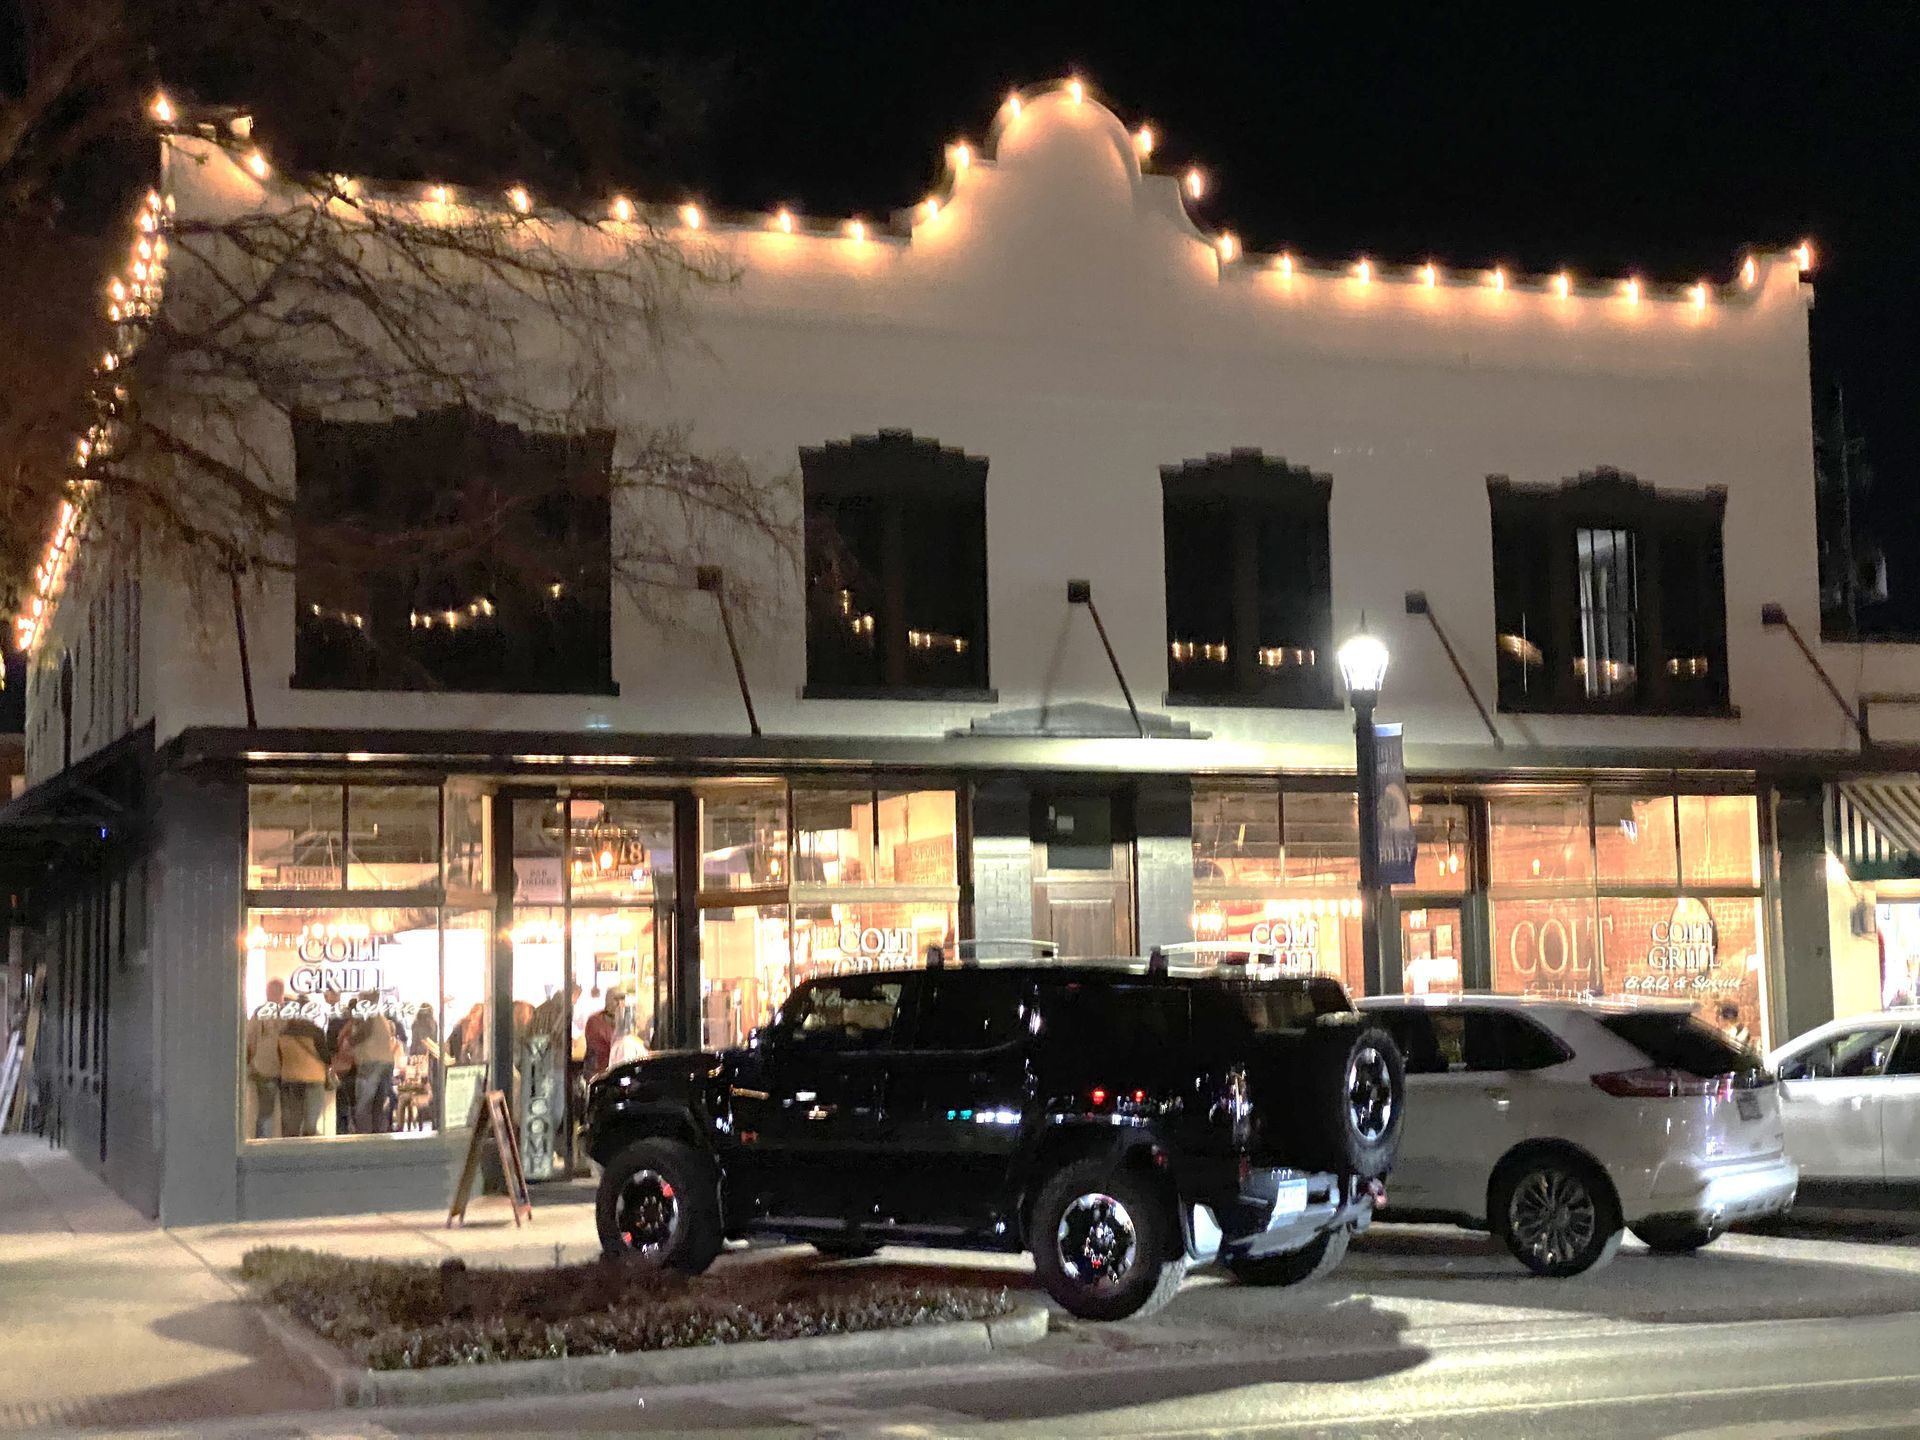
1655	1083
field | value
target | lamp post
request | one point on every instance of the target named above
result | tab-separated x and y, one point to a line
1363	667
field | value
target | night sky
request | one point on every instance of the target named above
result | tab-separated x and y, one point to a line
1604	139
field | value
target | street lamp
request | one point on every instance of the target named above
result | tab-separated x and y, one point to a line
1363	666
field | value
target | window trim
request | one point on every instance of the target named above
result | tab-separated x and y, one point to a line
1611	499
1256	486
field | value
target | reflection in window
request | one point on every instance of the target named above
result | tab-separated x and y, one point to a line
743	839
1719	840
1608	660
469	836
621	850
294	839
1633	839
393	837
1540	840
1445	845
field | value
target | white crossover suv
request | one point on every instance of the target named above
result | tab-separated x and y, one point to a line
1850	1096
1557	1123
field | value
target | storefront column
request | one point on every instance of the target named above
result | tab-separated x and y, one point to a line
1002	860
683	985
1804	997
500	1046
1163	821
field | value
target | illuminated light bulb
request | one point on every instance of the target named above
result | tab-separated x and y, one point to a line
622	209
690	216
962	155
932	207
1698	293
1497	278
1013	103
1563	285
257	163
519	199
439	194
1196	183
1229	246
1143	141
784	220
1076	90
1285	264
162	108
857	229
1803	255
344	184
1363	272
606	859
1749	271
118	289
1429	275
1632	291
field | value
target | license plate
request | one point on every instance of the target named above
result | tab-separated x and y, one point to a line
1288	1201
1748	1104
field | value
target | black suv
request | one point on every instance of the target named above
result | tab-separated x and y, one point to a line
1119	1121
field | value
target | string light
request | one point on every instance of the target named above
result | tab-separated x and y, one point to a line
1285	264
1228	245
962	155
690	216
1749	272
1803	255
1632	291
1363	272
162	108
1698	293
439	194
1196	183
857	229
1077	90
1429	275
1013	103
1143	141
519	199
1563	284
622	209
784	221
932	207
257	163
1497	278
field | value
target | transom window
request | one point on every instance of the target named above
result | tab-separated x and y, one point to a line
1609	595
1249	611
896	568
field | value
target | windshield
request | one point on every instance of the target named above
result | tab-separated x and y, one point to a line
1681	1042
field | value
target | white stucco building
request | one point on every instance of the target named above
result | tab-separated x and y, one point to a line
1592	488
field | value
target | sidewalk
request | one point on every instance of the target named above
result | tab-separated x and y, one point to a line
108	1320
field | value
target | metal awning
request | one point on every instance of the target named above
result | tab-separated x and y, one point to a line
55	828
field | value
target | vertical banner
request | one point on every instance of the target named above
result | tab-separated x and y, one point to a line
1393	812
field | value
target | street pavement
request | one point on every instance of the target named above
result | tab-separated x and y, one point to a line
114	1324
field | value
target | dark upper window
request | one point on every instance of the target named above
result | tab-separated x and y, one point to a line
896	567
1609	596
1249	609
449	551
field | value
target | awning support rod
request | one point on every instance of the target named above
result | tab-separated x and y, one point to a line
707	577
1417	605
1775	616
1080	592
240	633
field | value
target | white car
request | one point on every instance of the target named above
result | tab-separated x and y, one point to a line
1850	1096
1557	1123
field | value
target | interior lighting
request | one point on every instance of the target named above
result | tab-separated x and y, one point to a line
1077	90
932	207
1285	262
1363	272
1698	294
1229	246
1013	103
1749	271
690	216
439	194
257	163
1563	284
1632	291
1429	275
1143	141
784	220
519	199
1195	182
857	229
1803	255
962	155
622	209
162	108
1497	278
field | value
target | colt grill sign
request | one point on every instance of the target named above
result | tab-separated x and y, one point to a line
1678	955
336	957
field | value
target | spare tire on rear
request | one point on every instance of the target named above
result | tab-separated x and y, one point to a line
1338	1102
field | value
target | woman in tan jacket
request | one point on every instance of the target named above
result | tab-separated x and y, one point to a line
303	1077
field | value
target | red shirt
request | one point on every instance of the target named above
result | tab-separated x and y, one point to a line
599	1037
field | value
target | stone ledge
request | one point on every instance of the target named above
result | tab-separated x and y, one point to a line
945	1343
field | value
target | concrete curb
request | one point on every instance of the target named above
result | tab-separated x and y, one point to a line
950	1342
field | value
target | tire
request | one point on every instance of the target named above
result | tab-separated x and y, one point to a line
1106	1241
1556	1212
1674	1237
845	1249
659	1206
1351	1100
1297	1267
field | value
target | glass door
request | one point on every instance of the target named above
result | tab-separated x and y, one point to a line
1430	946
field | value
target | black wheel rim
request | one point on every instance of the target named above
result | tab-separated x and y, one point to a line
1097	1241
1369	1093
647	1212
1552	1217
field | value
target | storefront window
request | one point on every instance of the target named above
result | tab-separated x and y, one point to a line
1444	847
1322	840
294	837
746	970
542	1009
342	1026
1539	840
393	837
1236	837
1704	950
743	839
539	867
1719	840
469	837
1545	947
621	851
466	1035
1633	839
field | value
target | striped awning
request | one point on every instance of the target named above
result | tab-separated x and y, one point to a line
1876	827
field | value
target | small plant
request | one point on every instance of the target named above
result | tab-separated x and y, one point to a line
393	1315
